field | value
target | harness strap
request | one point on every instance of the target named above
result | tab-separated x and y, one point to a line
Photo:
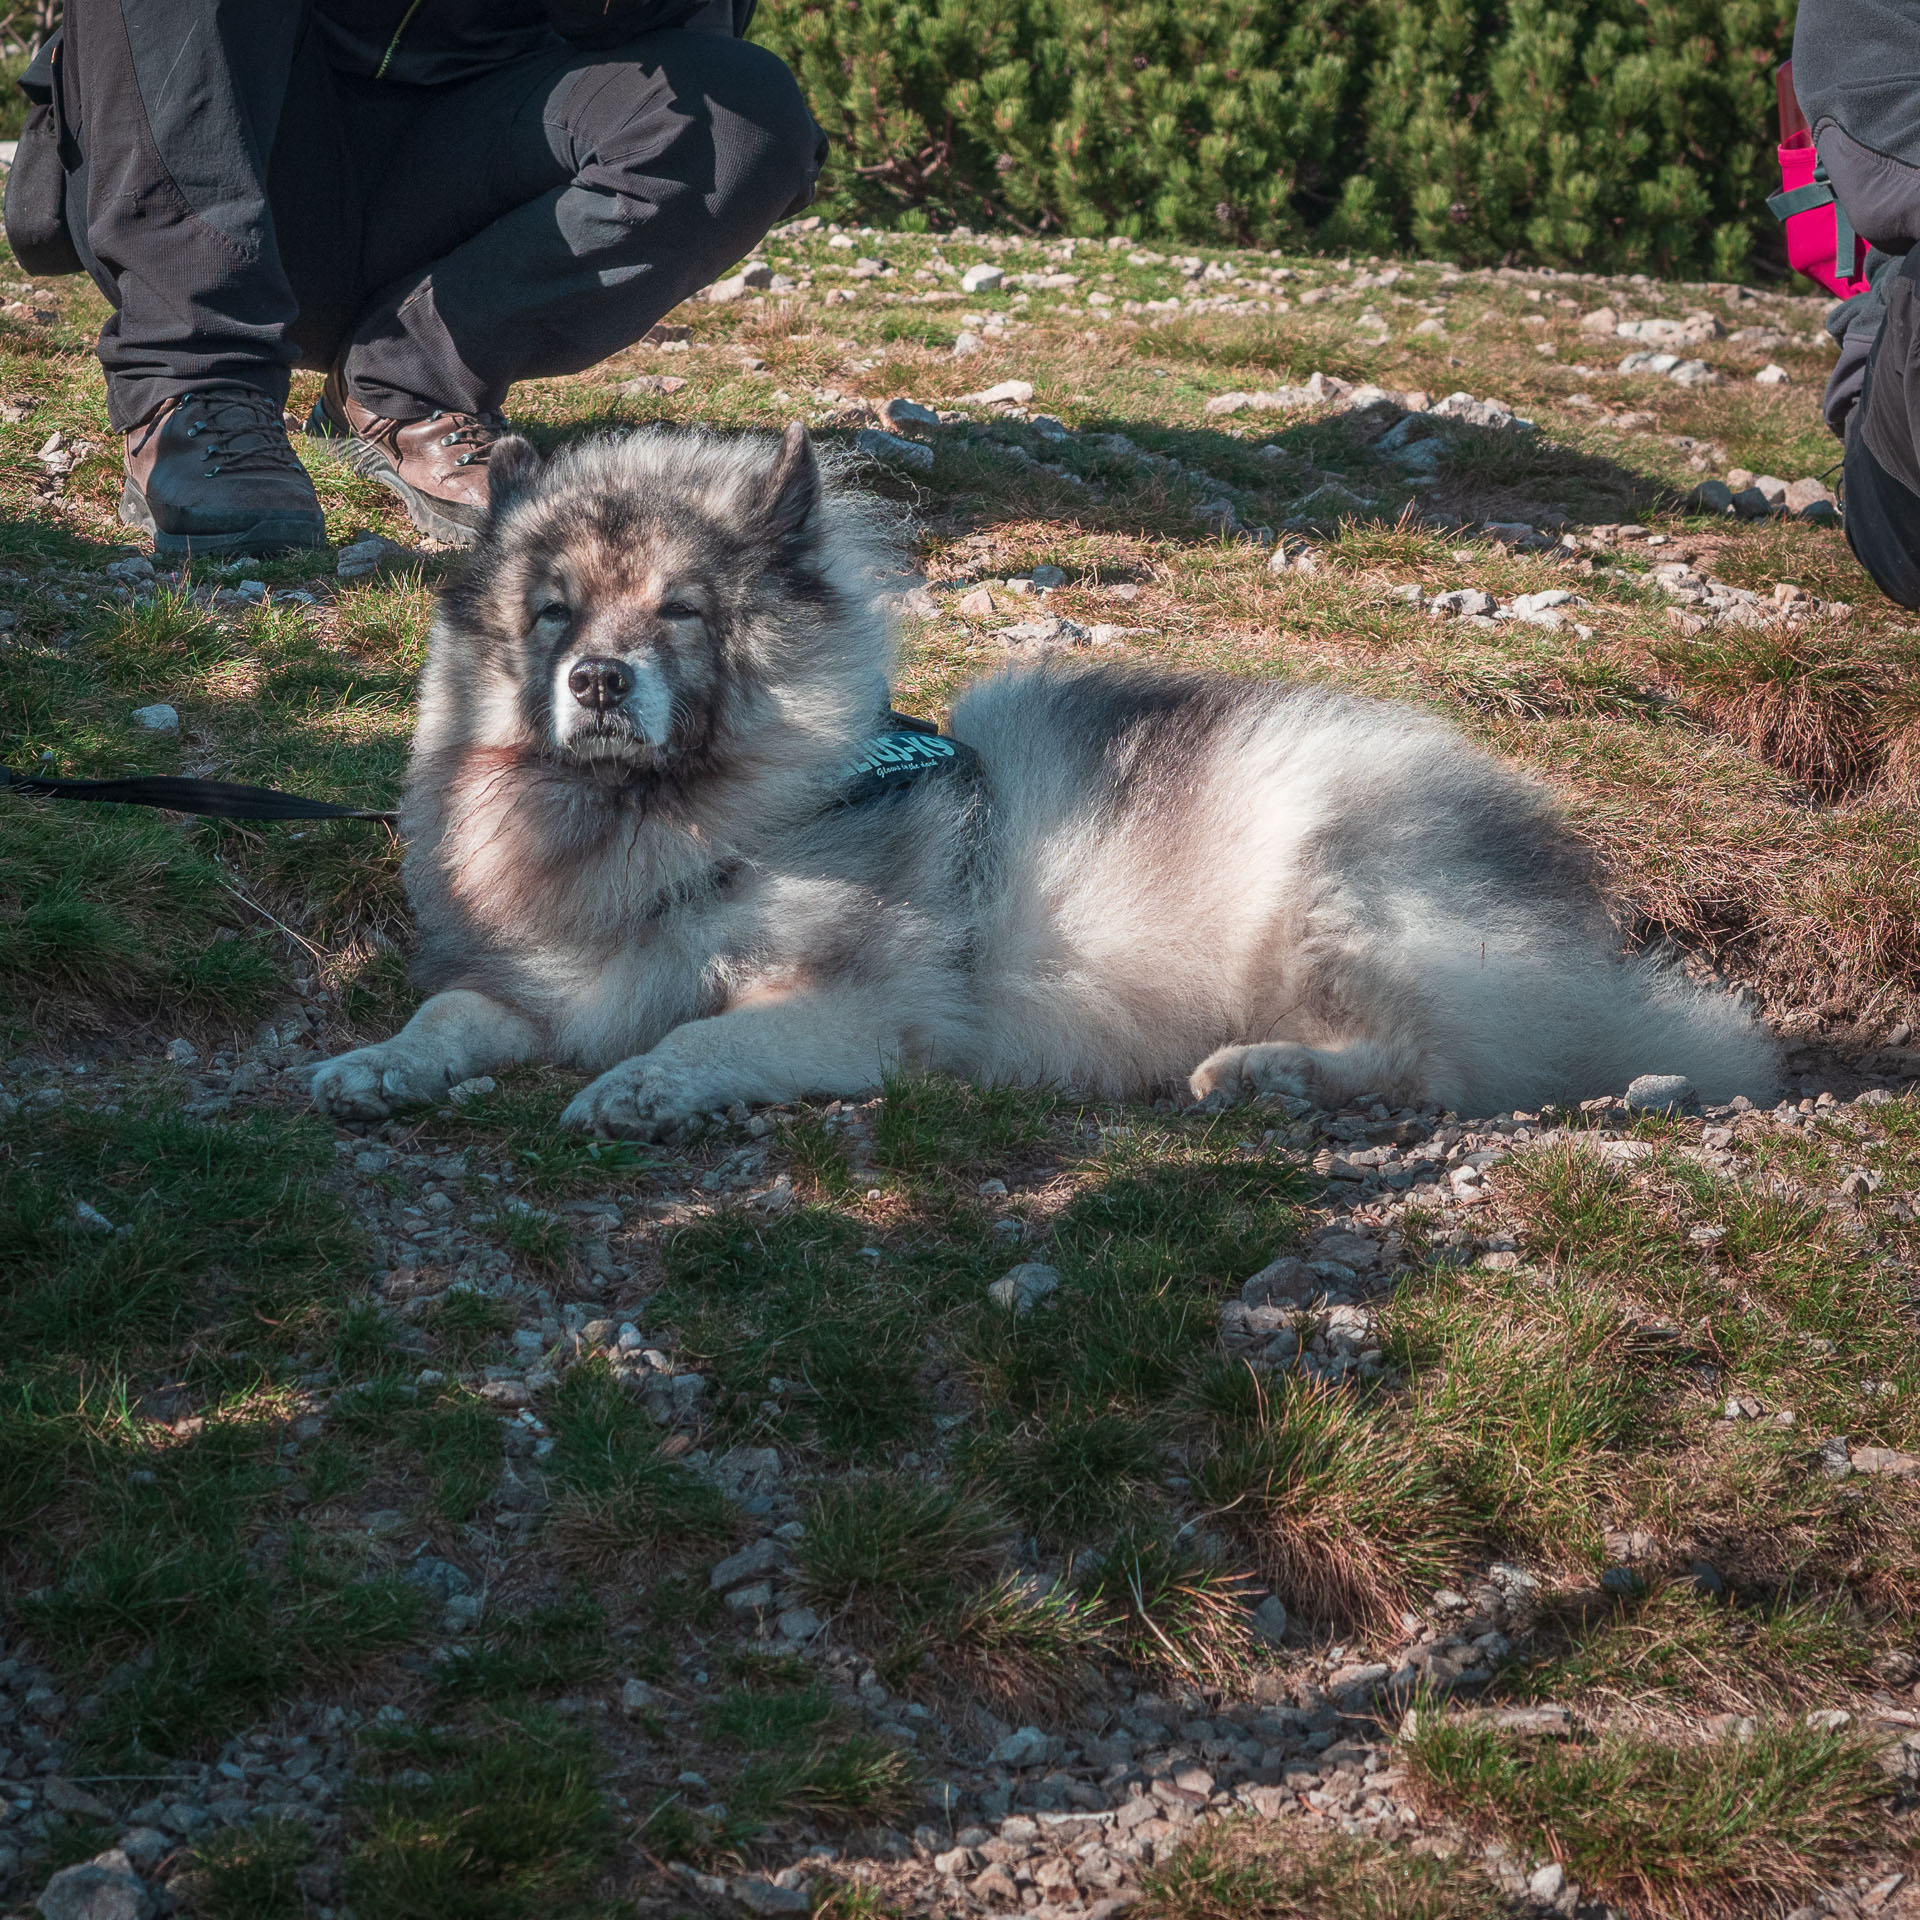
1818	192
216	799
1784	205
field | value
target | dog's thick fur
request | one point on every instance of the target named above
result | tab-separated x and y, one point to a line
1156	879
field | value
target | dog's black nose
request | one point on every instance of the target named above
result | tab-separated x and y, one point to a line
598	684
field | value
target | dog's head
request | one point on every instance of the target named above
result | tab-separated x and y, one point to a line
647	608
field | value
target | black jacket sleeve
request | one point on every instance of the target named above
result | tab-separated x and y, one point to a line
605	23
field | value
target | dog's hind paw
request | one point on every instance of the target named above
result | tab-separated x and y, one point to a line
1243	1073
640	1099
370	1082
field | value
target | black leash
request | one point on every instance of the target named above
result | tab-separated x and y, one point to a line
217	799
893	760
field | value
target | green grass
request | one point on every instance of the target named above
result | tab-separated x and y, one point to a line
223	1242
1695	1829
511	1821
934	1122
1741	789
619	1493
1347	1515
549	1649
253	1872
884	1546
1235	1874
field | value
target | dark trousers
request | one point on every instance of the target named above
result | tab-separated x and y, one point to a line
248	210
1883	447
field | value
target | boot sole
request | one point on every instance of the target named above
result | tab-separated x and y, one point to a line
271	533
429	515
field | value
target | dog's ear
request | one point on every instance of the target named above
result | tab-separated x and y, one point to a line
512	470
793	488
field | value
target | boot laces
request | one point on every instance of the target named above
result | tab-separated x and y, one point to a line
243	431
478	433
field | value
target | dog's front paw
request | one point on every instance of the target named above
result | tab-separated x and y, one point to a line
371	1082
639	1099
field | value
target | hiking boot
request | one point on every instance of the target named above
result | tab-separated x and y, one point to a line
438	466
214	472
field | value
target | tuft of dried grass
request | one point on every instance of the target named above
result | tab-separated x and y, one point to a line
1807	702
1347	1518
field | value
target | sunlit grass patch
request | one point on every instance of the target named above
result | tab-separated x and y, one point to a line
1238	1872
1348	1514
1680	1649
1704	1828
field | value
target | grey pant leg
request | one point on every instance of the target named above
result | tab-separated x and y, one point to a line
538	219
184	112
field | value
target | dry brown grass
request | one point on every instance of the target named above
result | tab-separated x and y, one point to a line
1346	1521
1809	702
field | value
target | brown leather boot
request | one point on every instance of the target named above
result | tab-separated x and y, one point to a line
438	466
214	472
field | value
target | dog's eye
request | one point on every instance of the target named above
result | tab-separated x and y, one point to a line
679	610
556	613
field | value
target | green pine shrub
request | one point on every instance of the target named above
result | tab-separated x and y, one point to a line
1613	135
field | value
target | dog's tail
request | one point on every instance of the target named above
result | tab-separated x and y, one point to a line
1658	1021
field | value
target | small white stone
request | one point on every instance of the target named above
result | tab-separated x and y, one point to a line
1549	1883
1772	376
158	718
981	278
183	1053
637	1697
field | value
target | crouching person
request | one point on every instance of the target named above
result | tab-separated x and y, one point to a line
426	199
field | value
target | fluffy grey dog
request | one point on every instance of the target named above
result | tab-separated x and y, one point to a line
643	692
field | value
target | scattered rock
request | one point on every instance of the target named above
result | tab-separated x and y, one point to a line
96	1892
894	450
1010	393
367	553
1270	1620
158	718
750	1563
1464	600
647	385
981	278
908	413
1548	1883
1662	1093
1772	376
1885	1460
64	1797
1018	1289
1029	1747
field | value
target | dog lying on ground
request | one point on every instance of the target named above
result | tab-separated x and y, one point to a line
628	848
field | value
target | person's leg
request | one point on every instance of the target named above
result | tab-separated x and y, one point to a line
176	108
540	218
625	182
1883	447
